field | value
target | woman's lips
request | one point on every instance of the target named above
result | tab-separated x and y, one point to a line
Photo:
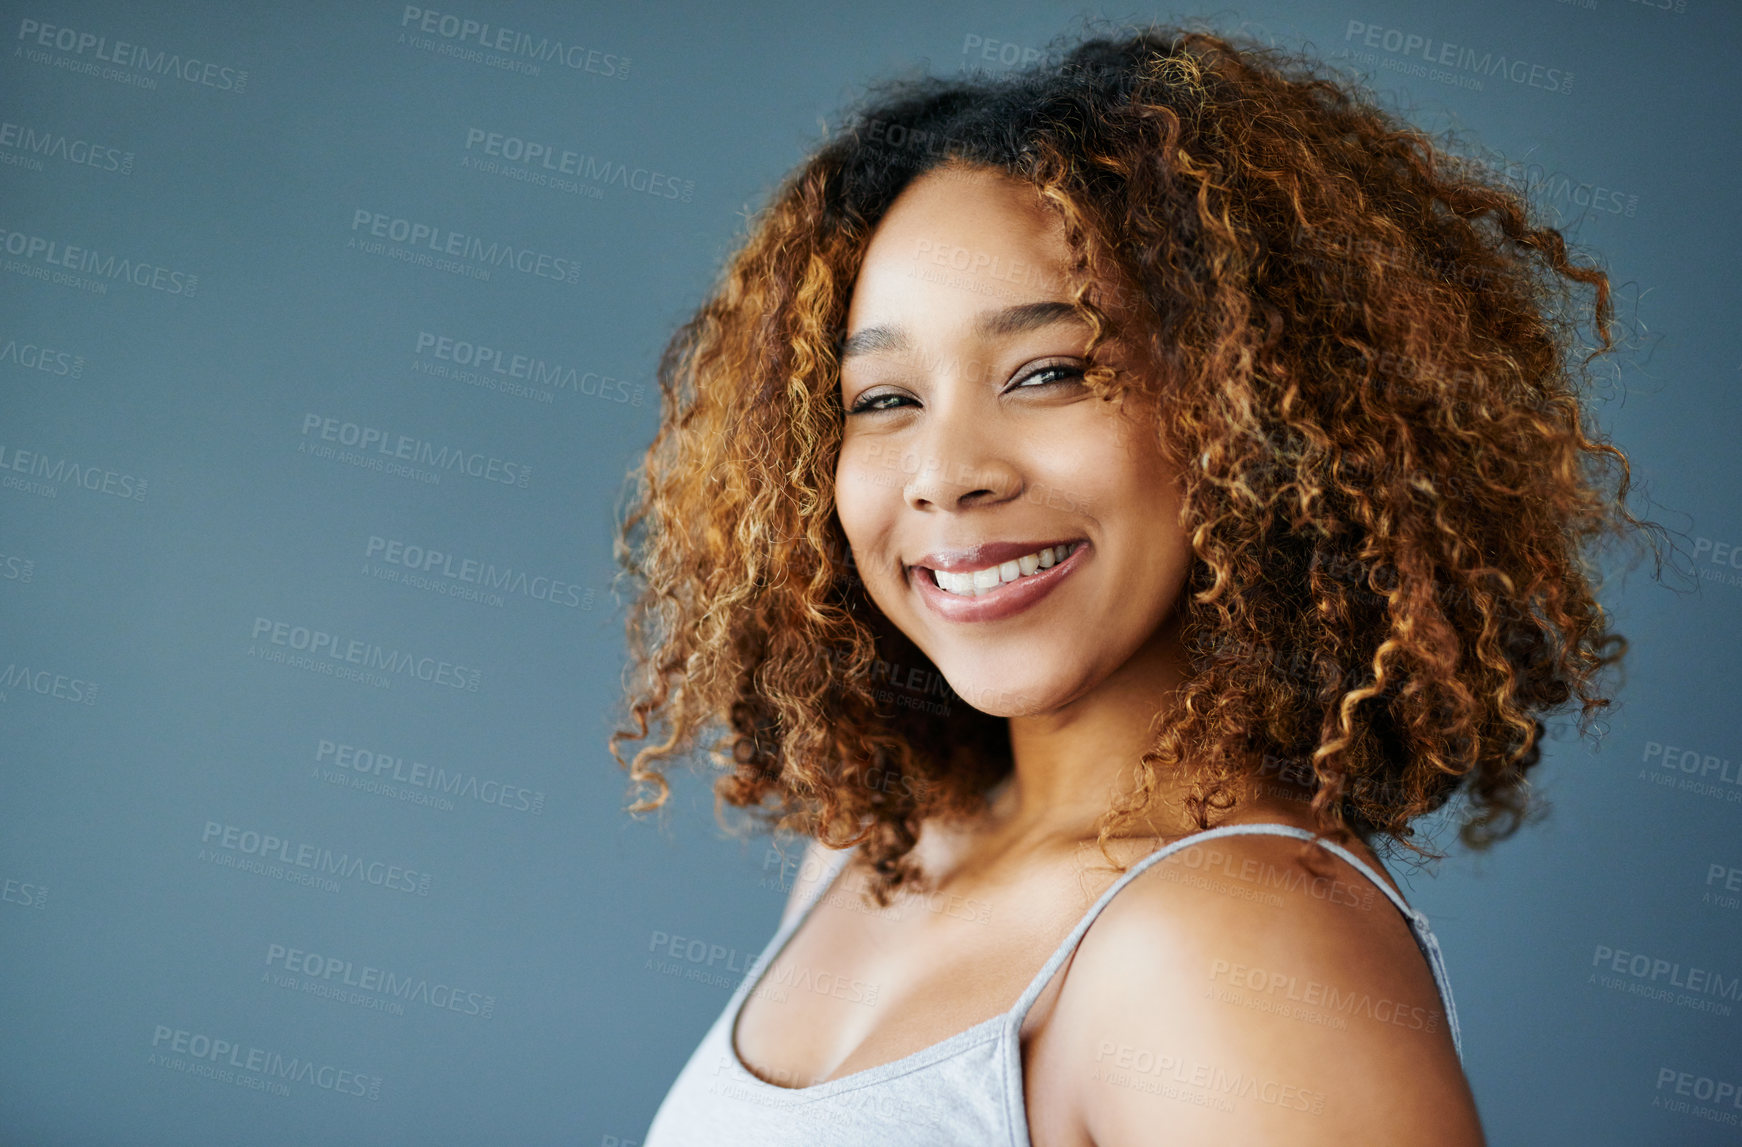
1010	598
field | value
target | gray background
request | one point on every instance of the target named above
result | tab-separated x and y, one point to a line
153	731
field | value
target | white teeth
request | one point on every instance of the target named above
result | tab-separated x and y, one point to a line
981	581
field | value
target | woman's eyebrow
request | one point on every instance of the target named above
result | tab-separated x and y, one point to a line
988	324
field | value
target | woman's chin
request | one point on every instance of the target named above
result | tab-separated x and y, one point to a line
1008	697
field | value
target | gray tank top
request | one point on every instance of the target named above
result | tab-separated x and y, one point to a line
966	1089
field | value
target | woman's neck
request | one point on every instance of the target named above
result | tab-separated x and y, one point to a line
1071	763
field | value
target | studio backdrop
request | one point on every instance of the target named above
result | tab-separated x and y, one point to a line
327	338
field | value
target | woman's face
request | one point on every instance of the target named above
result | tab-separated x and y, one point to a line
970	442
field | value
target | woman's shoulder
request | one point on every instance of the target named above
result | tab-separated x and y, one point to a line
1241	996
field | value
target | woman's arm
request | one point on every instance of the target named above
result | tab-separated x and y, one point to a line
1233	1003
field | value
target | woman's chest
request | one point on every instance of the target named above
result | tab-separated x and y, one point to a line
857	987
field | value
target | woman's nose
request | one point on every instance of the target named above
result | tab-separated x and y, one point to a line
961	459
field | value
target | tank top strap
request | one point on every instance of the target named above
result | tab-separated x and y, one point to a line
1418	923
832	866
833	863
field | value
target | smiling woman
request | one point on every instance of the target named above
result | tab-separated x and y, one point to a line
974	405
1212	435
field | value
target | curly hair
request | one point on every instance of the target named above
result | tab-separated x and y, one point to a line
1365	354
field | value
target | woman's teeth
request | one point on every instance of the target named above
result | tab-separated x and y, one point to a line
984	581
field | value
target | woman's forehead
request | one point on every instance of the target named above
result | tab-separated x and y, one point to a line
957	202
958	242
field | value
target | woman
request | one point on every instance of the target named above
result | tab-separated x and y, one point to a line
1104	503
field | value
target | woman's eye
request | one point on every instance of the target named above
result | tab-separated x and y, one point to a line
870	401
1044	376
1059	370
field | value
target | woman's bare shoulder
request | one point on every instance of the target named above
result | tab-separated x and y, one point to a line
1228	993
